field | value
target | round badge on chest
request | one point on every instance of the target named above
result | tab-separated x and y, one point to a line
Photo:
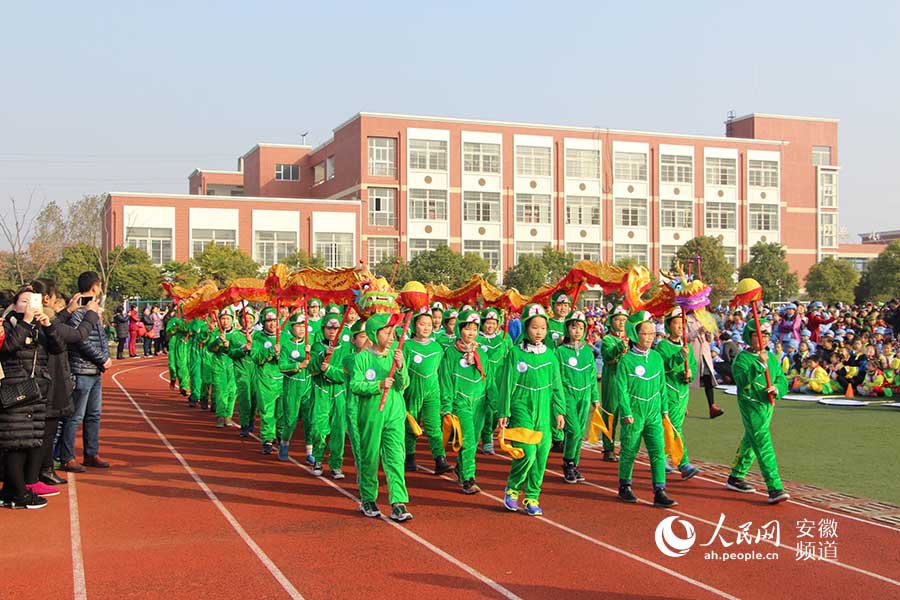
370	375
267	345
484	348
418	359
555	335
295	354
573	361
463	363
345	338
522	367
640	370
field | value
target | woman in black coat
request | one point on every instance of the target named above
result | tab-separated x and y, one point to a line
59	396
120	320
30	338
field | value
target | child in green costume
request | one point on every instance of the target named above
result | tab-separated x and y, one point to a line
612	347
381	432
532	399
246	372
447	335
578	373
557	325
422	356
640	384
681	368
749	372
360	342
463	384
219	346
264	352
293	360
329	398
174	335
494	348
197	359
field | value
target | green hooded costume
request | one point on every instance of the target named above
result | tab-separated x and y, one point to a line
423	396
223	385
678	389
612	347
270	381
296	385
578	373
493	350
329	398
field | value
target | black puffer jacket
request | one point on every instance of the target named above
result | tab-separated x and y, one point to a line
59	397
89	356
121	323
23	426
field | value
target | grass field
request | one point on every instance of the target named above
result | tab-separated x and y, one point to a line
841	449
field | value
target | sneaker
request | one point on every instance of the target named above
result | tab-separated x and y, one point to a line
337	474
715	411
488	448
569	472
669	467
230	423
776	496
283	451
470	487
739	485
220	422
610	456
42	489
410	466
268	447
441	465
688	471
578	476
72	466
245	431
511	500
626	495
30	501
661	500
399	513
310	460
318	470
370	509
533	508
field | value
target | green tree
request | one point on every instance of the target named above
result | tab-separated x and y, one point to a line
881	279
385	269
135	275
48	239
831	280
301	259
531	272
768	265
185	274
75	260
442	265
715	269
222	264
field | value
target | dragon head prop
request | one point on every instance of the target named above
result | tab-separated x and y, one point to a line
373	295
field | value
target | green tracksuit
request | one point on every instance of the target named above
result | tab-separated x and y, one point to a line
352	404
556	331
269	382
423	396
197	334
173	334
640	384
329	403
381	432
295	390
531	397
179	349
612	348
678	391
444	339
223	385
494	349
756	413
463	390
246	374
578	373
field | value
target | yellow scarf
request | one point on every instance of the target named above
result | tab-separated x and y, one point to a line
413	425
673	442
451	428
598	426
517	434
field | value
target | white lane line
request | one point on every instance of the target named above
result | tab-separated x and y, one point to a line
616	549
796	502
506	593
260	554
78	584
733	530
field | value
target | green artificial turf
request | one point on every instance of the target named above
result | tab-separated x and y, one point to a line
842	449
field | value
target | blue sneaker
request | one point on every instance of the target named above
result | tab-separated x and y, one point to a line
688	471
283	451
669	468
311	460
511	500
533	508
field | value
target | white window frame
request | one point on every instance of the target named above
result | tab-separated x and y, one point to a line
676	168
828	232
281	246
417	246
427	205
639	252
529	248
213	238
481	157
335	248
629	166
382	156
584	210
287	172
319	173
534	209
381	248
482	207
158	246
828	191
329	168
763	217
762	173
428	155
636	215
534	161
819	154
676	214
670	252
583	163
721	171
592	251
493	255
715	211
382	207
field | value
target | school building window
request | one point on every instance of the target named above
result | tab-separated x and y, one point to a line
481	158
763	217
532	208
383	156
721	171
489	250
287	172
481	207
533	161
582	164
382	206
336	249
630	166
271	247
428	204
203	238
428	155
677	214
155	241
631	212
381	249
676	169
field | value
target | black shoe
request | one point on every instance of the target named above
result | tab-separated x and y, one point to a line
470	487
245	431
204	404
29	500
558	446
776	496
50	477
626	495
268	447
183	392
399	513
661	500
411	466
569	472
578	476
610	456
441	465
739	485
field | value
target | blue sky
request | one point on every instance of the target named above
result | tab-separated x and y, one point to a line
132	96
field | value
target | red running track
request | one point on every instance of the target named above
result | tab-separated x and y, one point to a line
191	511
